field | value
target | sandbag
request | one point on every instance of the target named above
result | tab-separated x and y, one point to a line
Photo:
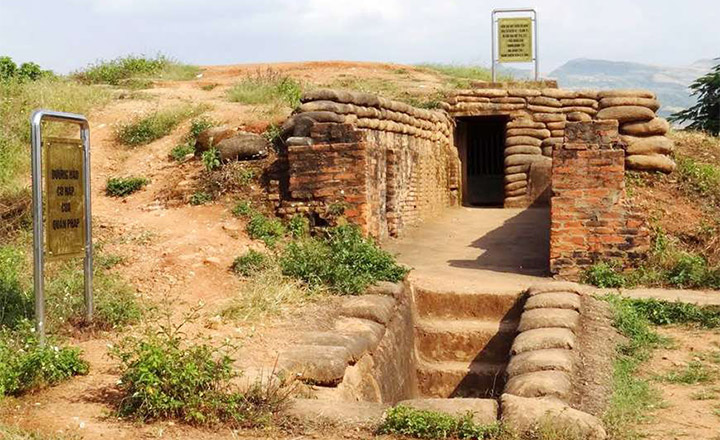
533	132
546	318
652	162
554	300
522	140
626	113
525	415
540	384
522	149
541	360
657	126
543	338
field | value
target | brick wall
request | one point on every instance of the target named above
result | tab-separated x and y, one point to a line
590	220
391	168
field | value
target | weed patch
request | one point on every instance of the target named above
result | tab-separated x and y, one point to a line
604	275
26	365
632	397
250	262
211	159
410	422
692	374
260	227
156	125
124	186
342	260
665	313
268	293
200	198
268	87
131	69
166	376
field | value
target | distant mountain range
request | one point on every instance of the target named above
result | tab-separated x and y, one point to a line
669	83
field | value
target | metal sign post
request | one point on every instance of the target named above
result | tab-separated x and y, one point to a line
68	217
514	39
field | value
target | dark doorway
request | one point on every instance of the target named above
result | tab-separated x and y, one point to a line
481	141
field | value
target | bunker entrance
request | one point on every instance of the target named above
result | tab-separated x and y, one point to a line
480	141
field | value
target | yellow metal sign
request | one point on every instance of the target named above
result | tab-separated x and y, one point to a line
65	215
515	40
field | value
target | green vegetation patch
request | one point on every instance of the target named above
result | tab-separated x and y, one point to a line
342	259
250	262
9	71
165	376
632	397
267	87
702	179
405	421
145	129
135	70
124	186
27	365
692	374
261	227
460	76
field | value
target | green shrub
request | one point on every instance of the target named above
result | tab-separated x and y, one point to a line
179	152
267	87
200	198
197	126
604	275
124	186
410	422
692	270
211	159
343	260
259	227
337	209
26	72
298	226
166	377
16	303
124	70
143	130
250	262
27	365
243	208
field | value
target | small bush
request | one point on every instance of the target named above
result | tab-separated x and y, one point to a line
260	227
242	208
211	159
200	198
267	87
604	275
26	365
179	152
124	186
298	226
16	303
26	72
156	125
691	270
166	377
410	422
250	262
344	260
124	70
699	178
197	126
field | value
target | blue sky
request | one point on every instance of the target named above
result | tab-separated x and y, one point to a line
67	34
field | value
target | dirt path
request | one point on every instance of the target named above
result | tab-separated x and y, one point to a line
690	405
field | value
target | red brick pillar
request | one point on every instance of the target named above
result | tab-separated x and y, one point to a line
590	221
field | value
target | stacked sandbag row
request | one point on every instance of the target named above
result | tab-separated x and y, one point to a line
375	113
523	147
543	360
648	149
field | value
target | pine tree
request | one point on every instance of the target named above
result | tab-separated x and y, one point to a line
705	115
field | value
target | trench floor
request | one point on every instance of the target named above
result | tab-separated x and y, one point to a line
499	250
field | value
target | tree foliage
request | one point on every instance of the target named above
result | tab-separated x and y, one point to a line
705	115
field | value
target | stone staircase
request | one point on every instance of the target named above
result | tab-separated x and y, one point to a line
462	341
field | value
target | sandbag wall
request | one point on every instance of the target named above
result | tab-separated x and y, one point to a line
536	123
404	159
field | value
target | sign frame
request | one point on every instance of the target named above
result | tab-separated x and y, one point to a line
495	43
36	119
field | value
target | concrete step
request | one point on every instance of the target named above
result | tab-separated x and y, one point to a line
460	379
433	303
464	340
